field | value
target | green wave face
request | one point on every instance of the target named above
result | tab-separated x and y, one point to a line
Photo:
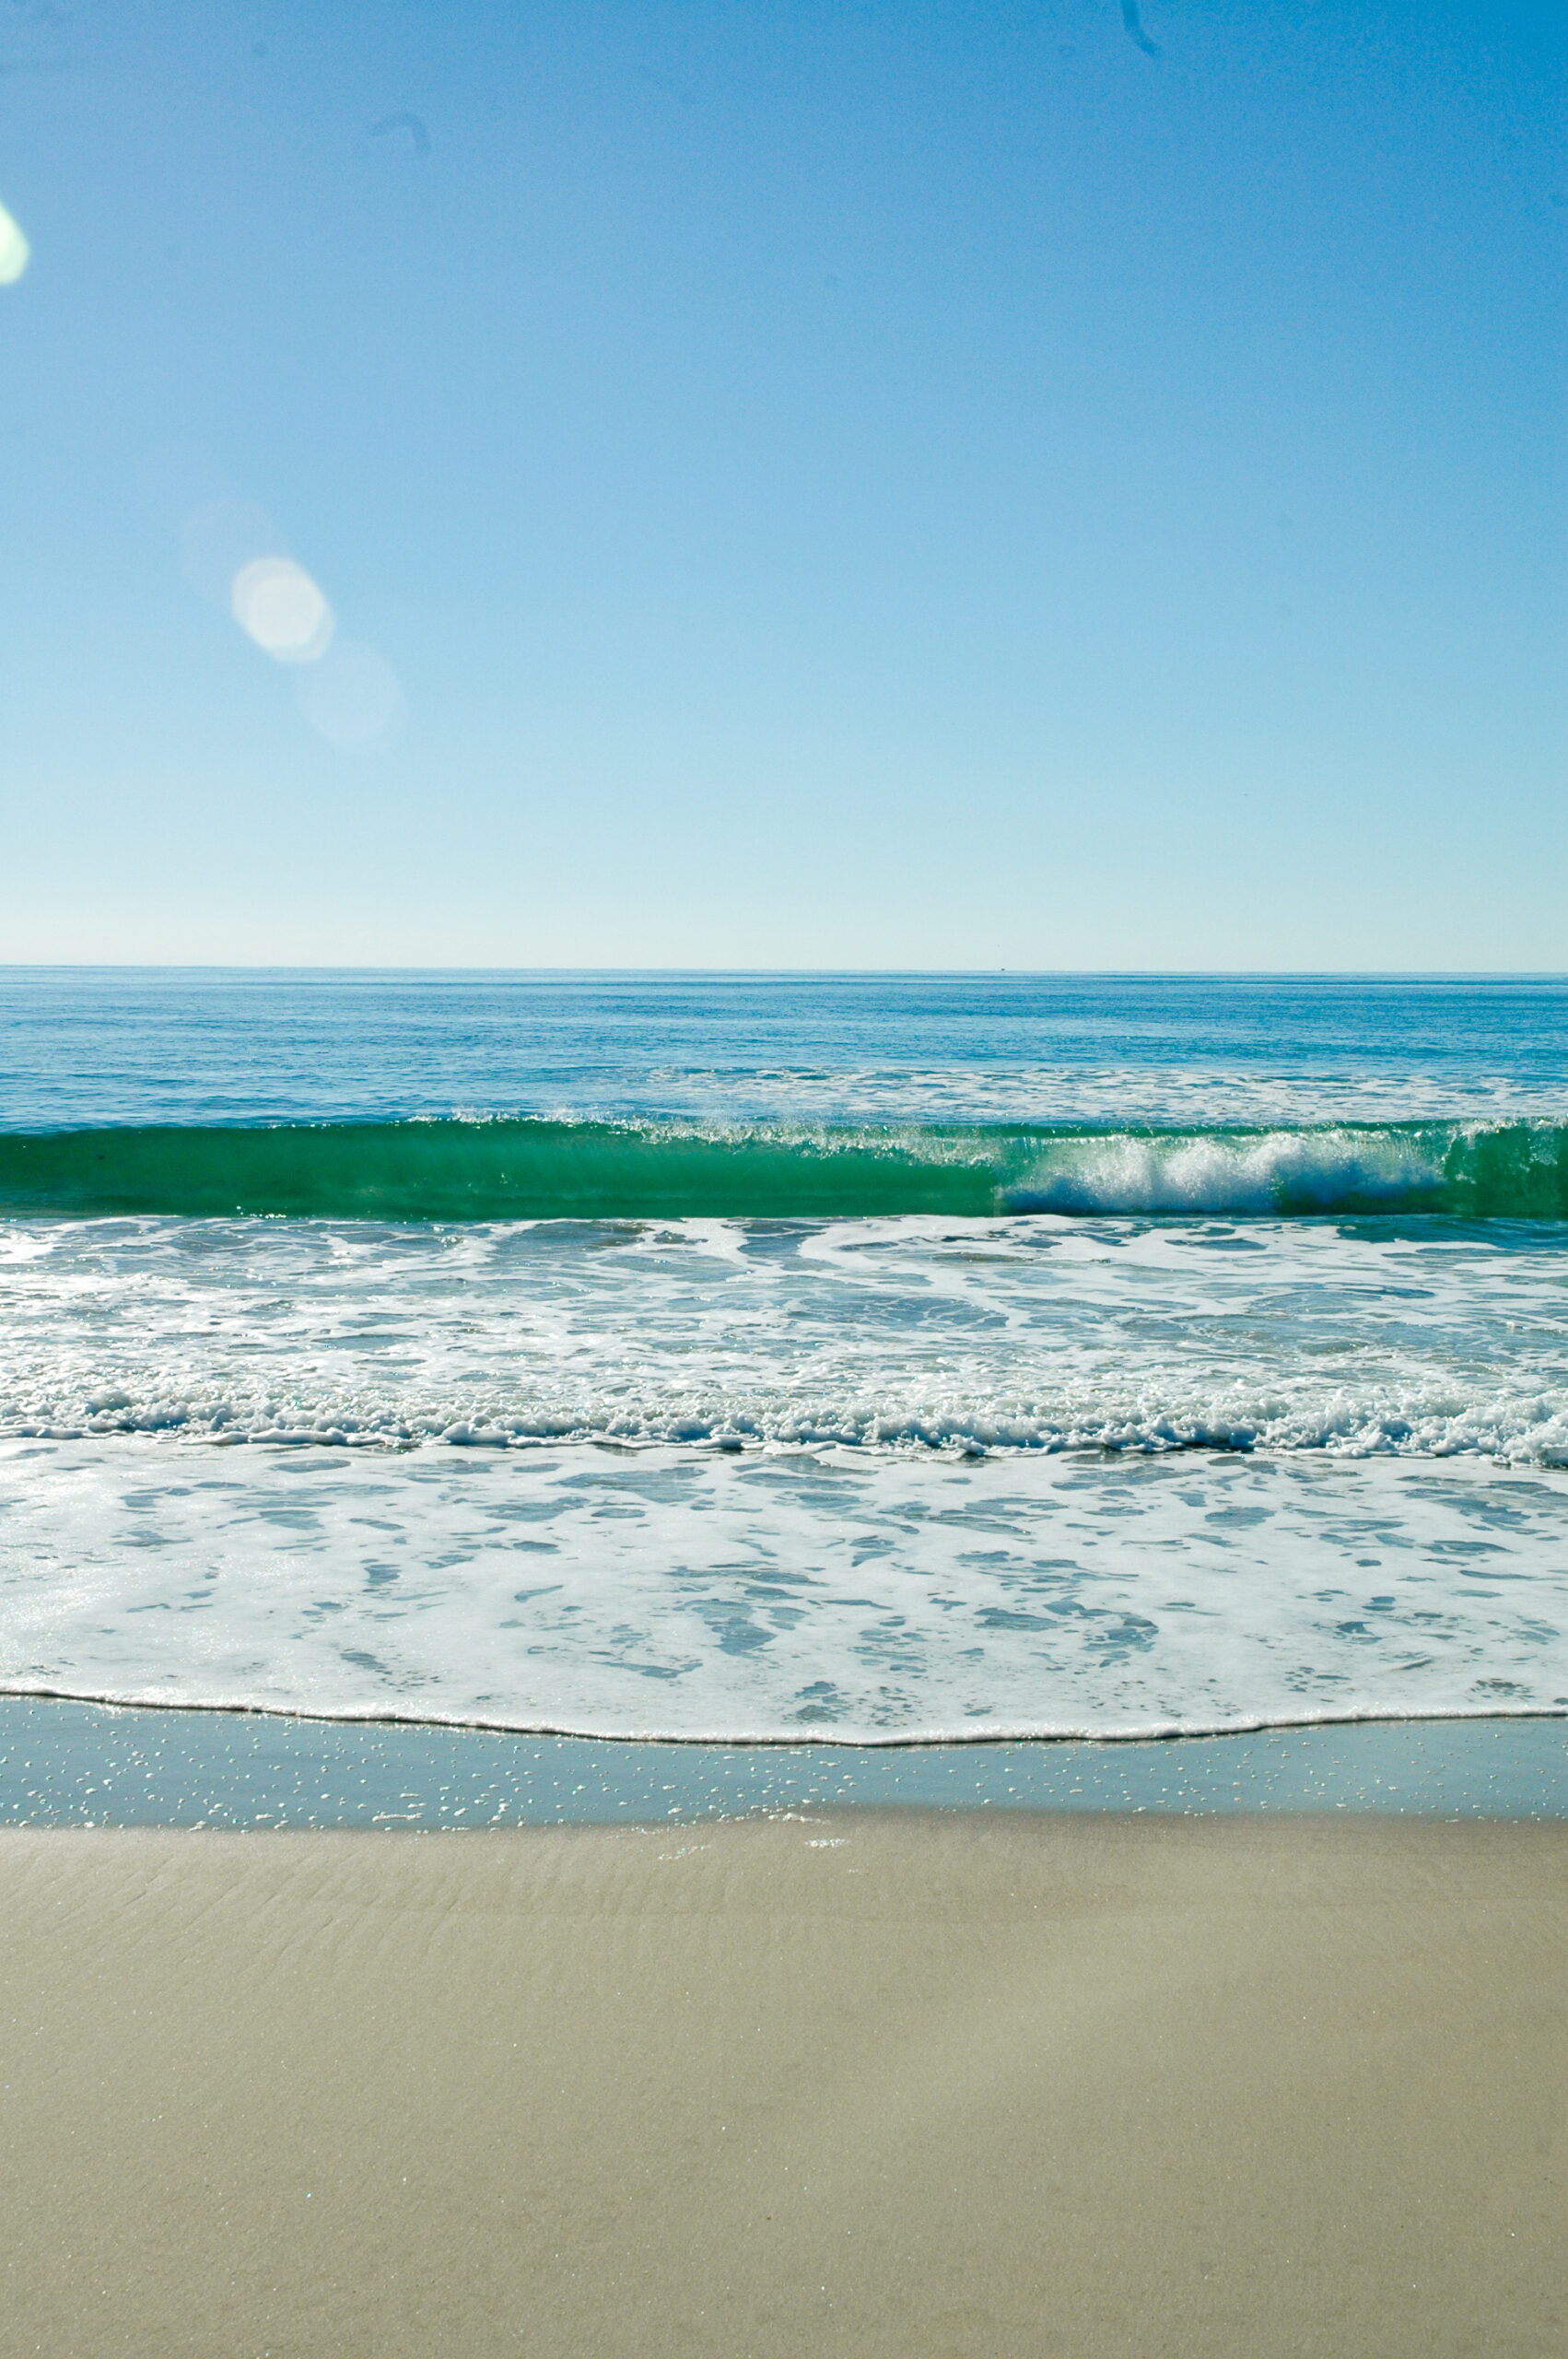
541	1170
454	1172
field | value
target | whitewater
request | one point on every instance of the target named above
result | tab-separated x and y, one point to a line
861	1358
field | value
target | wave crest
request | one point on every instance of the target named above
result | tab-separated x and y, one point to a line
1215	1172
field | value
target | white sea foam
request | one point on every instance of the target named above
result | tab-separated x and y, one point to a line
1029	1334
782	1594
1122	1173
531	1522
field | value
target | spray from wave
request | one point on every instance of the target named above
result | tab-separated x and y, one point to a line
1273	1172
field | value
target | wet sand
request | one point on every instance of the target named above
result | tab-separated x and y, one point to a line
880	2085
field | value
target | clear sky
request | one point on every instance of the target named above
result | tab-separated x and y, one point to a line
790	485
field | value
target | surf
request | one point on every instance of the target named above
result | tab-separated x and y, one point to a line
533	1168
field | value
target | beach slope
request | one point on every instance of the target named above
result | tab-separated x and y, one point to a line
866	2085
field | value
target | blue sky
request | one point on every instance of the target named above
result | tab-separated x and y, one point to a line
794	485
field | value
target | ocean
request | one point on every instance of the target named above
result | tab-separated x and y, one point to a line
860	1359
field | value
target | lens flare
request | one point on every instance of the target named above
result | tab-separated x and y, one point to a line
217	539
353	700
14	250
278	604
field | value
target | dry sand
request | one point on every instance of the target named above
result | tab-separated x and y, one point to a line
901	2086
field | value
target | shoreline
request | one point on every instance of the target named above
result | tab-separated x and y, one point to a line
67	1762
855	1739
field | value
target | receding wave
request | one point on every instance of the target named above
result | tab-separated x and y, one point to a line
532	1169
657	1595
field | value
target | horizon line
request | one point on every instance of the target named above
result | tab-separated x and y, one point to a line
1030	974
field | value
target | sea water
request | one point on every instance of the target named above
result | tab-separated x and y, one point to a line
851	1359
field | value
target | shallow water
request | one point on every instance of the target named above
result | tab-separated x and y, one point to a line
90	1765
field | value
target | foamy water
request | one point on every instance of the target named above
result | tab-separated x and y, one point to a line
902	1333
1190	1428
665	1591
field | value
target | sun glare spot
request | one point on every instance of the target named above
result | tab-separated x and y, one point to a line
276	601
14	250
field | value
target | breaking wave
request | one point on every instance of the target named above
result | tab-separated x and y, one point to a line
532	1170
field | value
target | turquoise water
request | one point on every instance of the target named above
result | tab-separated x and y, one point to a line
870	1357
478	1097
514	1170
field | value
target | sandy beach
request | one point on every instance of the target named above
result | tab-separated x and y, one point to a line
881	2085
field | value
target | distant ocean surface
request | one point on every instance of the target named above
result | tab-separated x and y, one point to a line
739	1357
